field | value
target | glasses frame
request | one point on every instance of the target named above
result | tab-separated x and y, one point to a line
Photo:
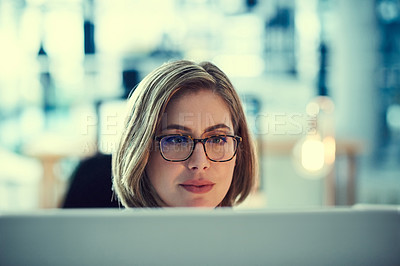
195	141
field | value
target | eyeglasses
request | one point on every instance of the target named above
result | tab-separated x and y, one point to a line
179	147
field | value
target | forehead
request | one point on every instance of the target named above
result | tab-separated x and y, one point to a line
197	110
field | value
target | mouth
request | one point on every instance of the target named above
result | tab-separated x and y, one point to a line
197	187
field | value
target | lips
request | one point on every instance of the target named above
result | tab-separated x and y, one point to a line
197	186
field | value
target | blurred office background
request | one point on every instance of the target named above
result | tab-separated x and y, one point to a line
319	80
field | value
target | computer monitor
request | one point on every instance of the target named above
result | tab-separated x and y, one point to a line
326	236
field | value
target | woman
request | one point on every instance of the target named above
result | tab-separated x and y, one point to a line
185	142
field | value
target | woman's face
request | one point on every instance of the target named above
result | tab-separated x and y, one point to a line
196	182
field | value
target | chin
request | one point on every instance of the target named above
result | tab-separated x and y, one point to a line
201	204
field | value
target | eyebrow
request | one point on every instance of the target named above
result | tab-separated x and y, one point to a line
178	127
217	126
211	128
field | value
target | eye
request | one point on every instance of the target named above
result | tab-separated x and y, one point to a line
175	139
218	140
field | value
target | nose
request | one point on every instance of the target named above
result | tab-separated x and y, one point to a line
198	160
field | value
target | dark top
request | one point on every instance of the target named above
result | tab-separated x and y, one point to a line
91	184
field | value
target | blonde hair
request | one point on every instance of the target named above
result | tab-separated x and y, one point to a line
145	109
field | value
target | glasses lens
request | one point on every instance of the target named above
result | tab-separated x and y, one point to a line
221	148
176	147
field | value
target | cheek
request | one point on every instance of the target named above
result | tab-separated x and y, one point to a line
230	169
232	164
159	171
154	167
225	171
